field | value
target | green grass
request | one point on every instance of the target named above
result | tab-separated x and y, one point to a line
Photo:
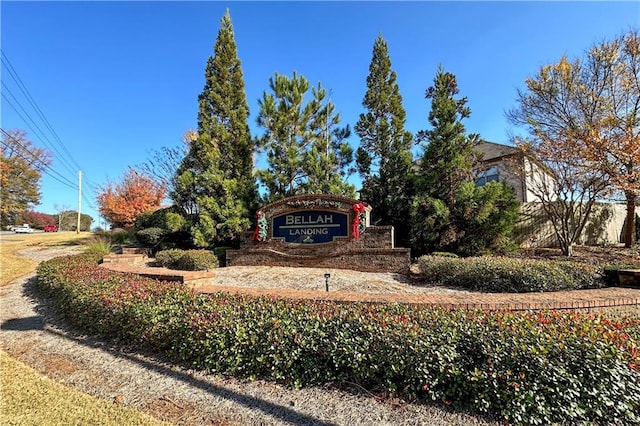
29	398
13	266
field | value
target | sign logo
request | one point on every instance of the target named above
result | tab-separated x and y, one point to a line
311	226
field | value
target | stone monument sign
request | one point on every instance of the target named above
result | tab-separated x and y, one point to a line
320	231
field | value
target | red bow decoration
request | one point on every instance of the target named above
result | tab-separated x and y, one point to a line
355	226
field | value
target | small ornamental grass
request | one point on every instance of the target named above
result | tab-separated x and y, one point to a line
509	275
525	368
99	245
187	260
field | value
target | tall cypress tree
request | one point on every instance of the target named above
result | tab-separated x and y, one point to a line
215	185
450	212
223	112
384	157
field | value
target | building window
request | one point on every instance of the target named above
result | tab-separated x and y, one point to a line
487	175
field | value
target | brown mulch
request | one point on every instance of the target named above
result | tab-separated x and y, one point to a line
347	285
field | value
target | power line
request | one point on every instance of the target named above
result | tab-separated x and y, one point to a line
45	171
25	91
89	203
66	159
42	166
42	135
91	185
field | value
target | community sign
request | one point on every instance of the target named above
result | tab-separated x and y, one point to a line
310	226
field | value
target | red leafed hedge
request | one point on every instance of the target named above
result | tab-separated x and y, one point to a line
525	368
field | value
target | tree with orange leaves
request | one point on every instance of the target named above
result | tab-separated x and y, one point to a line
613	140
589	111
120	203
21	167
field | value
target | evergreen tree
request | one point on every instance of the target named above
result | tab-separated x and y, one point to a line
215	184
451	213
384	157
223	113
449	154
306	150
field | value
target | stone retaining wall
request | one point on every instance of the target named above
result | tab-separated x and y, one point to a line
363	254
193	279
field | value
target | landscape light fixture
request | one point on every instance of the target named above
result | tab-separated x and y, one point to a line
326	280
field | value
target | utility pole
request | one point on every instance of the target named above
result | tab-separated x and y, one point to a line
79	199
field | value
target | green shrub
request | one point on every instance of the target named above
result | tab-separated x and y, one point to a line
221	254
187	260
198	260
444	254
168	219
151	237
525	368
174	225
169	258
509	275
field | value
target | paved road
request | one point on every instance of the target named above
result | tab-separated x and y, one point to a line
35	231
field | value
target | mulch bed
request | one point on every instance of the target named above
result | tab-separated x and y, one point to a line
293	283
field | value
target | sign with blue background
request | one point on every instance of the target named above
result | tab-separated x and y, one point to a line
311	226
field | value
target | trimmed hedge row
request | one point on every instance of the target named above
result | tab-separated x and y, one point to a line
509	275
187	260
525	368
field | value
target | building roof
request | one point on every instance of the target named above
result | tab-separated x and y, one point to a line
492	150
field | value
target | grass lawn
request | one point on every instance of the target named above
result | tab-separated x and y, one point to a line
28	398
13	266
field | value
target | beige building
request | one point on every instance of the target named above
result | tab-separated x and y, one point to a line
507	164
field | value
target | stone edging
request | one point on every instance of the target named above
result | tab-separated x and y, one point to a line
426	300
192	279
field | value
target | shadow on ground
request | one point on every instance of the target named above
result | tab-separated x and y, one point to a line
50	321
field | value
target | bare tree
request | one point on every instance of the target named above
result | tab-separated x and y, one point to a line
163	163
583	118
61	211
565	185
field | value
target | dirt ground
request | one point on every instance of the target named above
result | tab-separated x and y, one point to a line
595	255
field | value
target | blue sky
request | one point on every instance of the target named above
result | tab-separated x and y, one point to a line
116	80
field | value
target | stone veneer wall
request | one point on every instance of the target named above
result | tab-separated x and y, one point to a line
373	251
